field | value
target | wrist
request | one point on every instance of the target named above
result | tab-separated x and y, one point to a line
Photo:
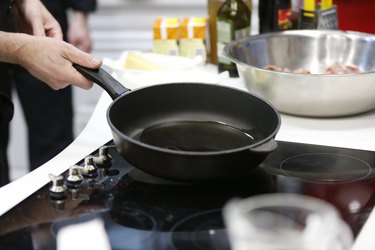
12	47
80	16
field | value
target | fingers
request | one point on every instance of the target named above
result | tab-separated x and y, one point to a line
38	28
77	56
53	31
79	80
75	78
51	26
34	16
37	20
82	58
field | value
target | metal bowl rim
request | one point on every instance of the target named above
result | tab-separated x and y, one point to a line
304	33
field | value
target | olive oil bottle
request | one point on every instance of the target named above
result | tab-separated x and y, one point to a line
233	21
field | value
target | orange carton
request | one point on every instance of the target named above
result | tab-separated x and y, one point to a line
193	37
166	35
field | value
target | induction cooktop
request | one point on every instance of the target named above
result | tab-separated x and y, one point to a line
141	211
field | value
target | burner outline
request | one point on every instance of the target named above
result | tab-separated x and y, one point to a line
192	233
363	163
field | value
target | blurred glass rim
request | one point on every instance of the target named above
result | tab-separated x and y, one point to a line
308	203
322	220
317	212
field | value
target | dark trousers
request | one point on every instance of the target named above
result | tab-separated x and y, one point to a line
48	115
6	114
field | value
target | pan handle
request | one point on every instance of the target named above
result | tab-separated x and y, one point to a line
101	77
266	147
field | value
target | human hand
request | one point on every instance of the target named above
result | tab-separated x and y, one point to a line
32	17
79	32
51	61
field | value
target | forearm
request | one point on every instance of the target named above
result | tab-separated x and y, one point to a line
11	44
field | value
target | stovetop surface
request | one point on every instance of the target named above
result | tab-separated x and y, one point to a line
140	211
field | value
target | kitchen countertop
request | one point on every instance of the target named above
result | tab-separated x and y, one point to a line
350	132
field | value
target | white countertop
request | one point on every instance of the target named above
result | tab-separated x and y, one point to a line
350	132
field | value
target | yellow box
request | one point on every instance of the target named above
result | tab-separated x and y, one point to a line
166	28
194	27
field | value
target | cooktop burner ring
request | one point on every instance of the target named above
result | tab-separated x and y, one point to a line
325	167
133	217
202	230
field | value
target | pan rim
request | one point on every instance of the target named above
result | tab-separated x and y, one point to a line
130	139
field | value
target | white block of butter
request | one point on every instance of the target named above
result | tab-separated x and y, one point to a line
136	61
139	62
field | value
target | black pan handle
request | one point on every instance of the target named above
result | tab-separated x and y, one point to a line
101	77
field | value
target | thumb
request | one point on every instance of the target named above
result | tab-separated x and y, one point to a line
82	58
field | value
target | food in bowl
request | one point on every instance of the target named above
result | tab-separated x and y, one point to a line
287	70
336	68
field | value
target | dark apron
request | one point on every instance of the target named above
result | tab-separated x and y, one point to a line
6	114
6	106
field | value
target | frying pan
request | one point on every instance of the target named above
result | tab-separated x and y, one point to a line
188	131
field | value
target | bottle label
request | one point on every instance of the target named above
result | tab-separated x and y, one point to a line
224	30
284	19
242	33
166	47
224	36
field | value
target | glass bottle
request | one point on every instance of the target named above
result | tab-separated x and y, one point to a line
213	7
275	15
233	22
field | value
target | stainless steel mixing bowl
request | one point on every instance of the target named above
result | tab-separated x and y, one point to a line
316	94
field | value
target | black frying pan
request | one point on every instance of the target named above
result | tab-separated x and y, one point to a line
189	131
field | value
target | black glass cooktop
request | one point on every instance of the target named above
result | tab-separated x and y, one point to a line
141	211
